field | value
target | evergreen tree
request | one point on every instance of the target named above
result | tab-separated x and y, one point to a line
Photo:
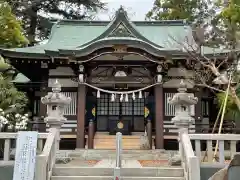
189	10
10	28
12	101
35	14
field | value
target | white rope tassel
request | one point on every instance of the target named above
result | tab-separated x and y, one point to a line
133	96
98	94
113	98
140	95
126	98
121	98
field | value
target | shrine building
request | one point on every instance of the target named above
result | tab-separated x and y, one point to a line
119	75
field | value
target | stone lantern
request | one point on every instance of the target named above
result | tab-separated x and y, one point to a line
56	103
183	102
183	119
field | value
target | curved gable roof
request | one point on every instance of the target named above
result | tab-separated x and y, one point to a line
75	35
121	26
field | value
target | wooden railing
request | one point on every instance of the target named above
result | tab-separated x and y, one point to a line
190	162
227	146
46	160
6	140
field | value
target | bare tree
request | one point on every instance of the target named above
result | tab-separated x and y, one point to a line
217	67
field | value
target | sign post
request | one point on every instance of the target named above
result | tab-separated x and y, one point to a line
25	155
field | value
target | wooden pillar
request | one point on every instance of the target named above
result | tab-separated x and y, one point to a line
42	107
149	132
81	103
159	116
198	111
91	134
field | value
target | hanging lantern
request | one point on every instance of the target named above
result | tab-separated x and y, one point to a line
98	94
140	95
113	98
126	98
133	96
121	97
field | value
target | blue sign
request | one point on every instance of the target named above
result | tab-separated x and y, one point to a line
25	155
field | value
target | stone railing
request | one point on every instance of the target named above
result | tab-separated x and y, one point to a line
46	152
226	147
190	162
7	140
46	160
117	169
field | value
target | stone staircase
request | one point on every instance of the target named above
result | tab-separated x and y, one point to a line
105	141
86	173
99	165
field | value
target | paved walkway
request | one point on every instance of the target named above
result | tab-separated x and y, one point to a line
112	163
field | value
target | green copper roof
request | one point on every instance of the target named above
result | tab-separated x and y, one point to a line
80	35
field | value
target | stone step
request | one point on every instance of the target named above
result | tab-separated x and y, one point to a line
109	142
126	154
114	147
144	172
114	141
111	178
107	136
114	137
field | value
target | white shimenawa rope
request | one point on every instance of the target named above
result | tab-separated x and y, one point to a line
121	92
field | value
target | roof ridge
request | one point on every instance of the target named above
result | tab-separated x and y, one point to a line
101	22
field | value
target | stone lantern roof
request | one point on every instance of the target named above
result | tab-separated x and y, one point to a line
182	97
55	97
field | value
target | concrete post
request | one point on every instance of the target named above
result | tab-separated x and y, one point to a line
55	102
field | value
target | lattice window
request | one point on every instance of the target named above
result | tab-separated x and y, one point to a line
114	107
205	108
127	107
36	106
170	109
102	104
71	109
139	107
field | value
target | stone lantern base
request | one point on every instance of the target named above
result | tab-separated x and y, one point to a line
183	121
54	122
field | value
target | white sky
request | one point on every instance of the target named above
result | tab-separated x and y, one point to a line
136	9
